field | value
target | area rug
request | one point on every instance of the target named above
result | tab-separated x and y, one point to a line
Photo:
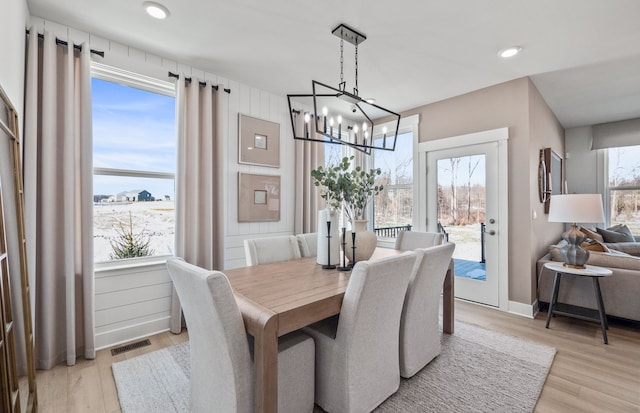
478	371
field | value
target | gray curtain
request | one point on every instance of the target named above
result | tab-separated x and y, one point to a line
58	199
199	182
309	155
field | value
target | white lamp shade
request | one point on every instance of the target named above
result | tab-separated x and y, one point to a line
586	208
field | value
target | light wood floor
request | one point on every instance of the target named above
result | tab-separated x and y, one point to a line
586	375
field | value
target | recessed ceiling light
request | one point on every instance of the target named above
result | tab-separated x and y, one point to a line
509	51
155	10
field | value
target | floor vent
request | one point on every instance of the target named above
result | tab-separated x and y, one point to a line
128	347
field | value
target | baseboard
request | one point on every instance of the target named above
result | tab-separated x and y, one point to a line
525	310
130	333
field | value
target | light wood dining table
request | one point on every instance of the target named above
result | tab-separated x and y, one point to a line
278	298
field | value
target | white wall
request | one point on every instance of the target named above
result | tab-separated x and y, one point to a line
144	291
584	167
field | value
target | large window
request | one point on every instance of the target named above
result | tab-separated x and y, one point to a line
624	187
134	159
394	205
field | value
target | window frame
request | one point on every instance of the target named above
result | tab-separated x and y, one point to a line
408	124
150	84
608	188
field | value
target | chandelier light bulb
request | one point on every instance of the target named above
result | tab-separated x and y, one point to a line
307	117
384	130
339	119
355	128
325	111
364	126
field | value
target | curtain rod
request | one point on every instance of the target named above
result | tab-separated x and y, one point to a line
188	80
75	46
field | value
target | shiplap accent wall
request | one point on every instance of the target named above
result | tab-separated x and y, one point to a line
135	302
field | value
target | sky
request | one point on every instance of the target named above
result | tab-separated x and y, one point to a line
462	176
132	129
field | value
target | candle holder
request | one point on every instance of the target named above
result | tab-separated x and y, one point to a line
353	250
328	266
344	267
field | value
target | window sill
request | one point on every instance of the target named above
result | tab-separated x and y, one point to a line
130	263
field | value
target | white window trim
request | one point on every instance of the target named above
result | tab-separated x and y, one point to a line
606	202
407	124
121	76
133	173
113	74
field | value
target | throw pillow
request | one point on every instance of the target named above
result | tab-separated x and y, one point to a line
623	229
593	245
592	233
614	227
615	236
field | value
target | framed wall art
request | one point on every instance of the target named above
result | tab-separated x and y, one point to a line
259	142
258	197
551	182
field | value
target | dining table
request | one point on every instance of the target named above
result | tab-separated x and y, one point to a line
281	297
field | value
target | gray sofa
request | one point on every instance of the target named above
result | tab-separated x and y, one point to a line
620	292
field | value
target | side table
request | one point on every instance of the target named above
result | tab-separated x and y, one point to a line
584	314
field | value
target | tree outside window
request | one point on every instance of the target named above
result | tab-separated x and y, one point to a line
624	187
394	205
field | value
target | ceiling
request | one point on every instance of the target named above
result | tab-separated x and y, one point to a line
583	55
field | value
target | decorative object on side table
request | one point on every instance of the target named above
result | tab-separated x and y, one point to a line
351	188
583	208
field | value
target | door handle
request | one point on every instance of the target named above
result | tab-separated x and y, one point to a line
483	228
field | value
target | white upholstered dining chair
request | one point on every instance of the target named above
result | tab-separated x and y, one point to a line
271	249
419	331
308	244
357	352
410	240
221	366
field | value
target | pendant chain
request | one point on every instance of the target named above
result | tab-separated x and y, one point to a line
356	89
341	61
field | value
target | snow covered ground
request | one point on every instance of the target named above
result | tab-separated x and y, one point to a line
155	218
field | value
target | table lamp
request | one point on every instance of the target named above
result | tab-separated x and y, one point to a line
584	208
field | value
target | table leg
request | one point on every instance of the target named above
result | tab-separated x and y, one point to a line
554	296
603	315
448	301
265	358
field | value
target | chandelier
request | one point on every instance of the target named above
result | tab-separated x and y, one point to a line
334	115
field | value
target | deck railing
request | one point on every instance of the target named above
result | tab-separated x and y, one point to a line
442	230
391	232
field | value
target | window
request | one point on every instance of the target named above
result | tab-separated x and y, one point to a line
624	187
134	159
333	154
394	205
